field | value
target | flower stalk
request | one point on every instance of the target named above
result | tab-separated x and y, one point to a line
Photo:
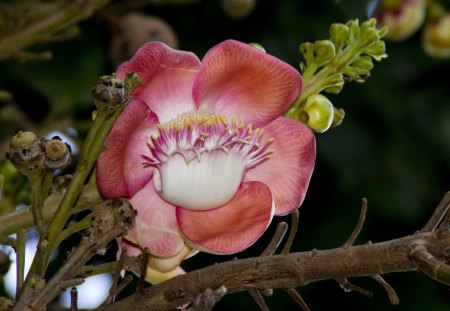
345	57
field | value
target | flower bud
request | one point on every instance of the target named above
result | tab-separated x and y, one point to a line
323	52
109	94
339	34
363	62
377	50
258	46
436	37
338	116
335	84
57	154
307	49
317	113
403	17
26	153
238	9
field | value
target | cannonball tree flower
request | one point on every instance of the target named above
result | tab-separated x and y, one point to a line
436	37
204	153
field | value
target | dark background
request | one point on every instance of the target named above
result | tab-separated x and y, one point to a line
393	146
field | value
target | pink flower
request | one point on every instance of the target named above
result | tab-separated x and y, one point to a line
203	152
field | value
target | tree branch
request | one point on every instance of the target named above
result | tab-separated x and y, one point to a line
299	269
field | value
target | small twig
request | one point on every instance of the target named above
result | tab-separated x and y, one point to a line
362	216
297	298
143	259
113	290
20	259
393	298
441	211
348	287
276	239
292	232
73	299
126	281
6	240
258	298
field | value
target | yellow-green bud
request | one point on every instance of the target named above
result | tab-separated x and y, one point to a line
363	62
237	9
436	37
377	50
403	18
258	46
338	116
339	34
317	113
57	154
324	52
307	49
335	84
27	142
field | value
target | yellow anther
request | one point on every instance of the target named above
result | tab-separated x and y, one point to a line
270	140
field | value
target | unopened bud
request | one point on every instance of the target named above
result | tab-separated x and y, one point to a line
26	153
377	50
258	46
339	34
57	154
363	62
335	84
402	17
317	113
238	9
436	37
109	94
338	116
324	52
307	49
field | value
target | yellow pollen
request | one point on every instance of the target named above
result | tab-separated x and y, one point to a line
271	140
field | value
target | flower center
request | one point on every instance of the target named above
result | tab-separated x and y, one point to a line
201	158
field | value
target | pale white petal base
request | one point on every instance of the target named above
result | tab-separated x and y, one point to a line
202	184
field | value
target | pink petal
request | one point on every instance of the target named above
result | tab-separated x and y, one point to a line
120	169
156	223
238	80
167	76
289	170
232	227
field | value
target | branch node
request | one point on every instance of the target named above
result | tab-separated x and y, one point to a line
393	298
349	287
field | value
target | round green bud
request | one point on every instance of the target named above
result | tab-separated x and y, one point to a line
318	112
324	52
338	116
363	62
258	46
339	34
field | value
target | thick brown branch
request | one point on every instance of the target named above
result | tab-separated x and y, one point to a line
292	270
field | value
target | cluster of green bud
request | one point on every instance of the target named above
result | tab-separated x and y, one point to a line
346	56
